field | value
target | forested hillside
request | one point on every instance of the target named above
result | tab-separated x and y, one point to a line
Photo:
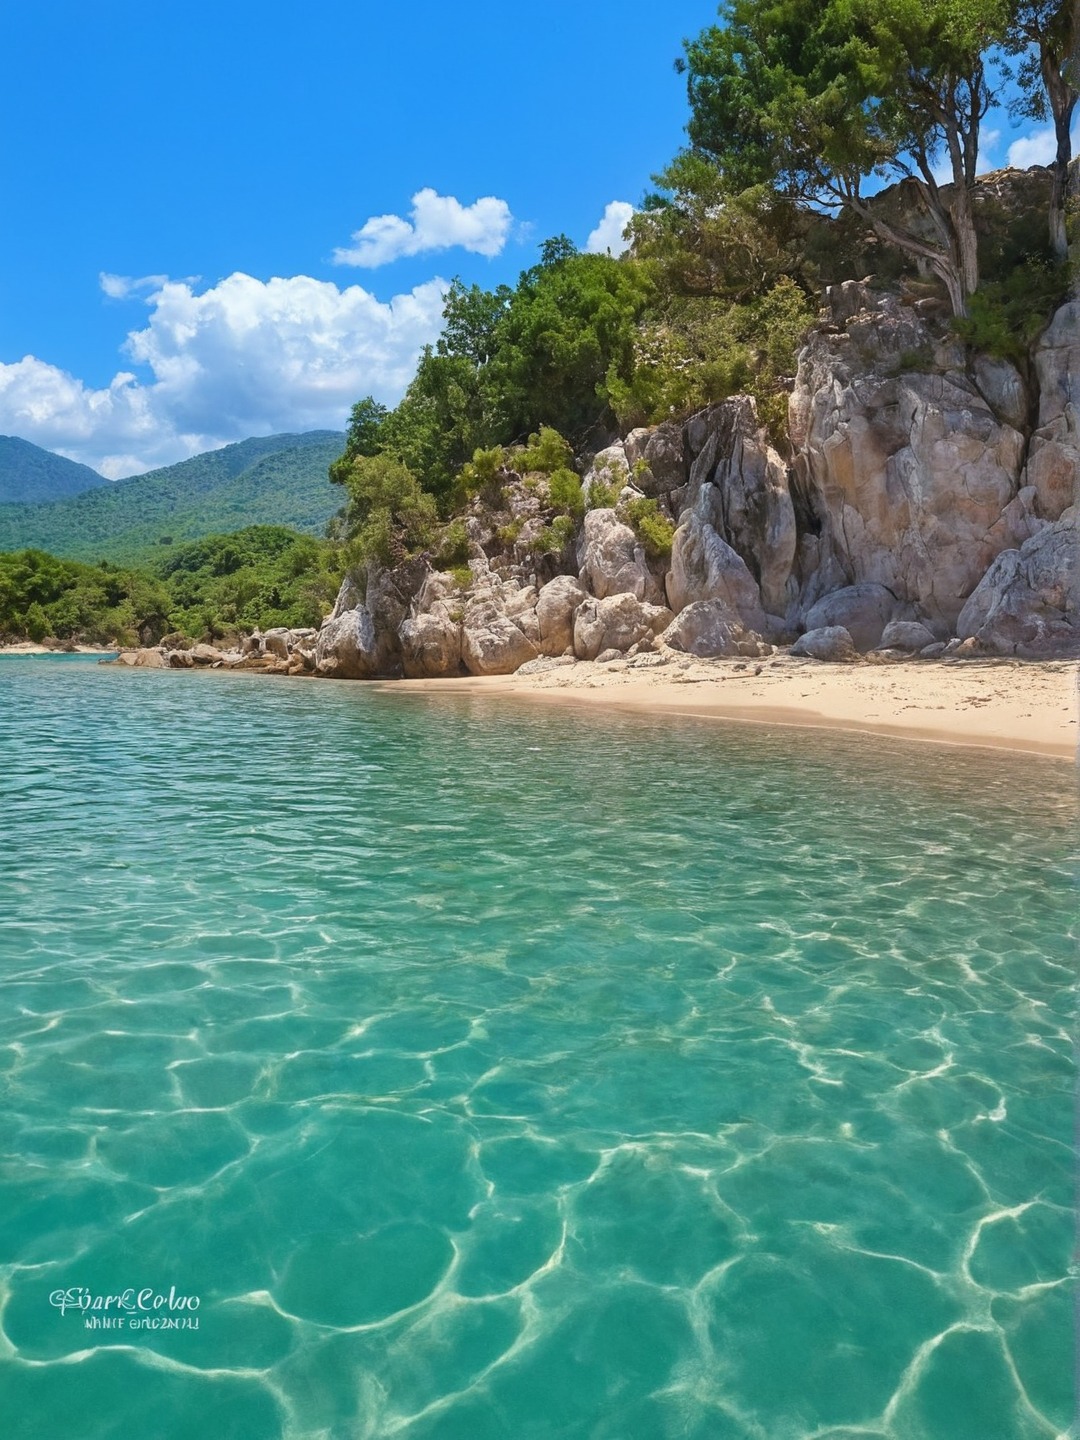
271	480
30	475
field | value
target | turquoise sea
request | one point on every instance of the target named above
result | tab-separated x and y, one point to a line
447	1068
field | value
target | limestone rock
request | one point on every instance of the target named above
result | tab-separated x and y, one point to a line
710	627
738	484
831	642
345	649
205	654
611	560
903	467
430	635
430	646
555	607
616	622
1028	602
705	567
863	610
664	469
609	468
276	642
1053	467
491	643
907	635
149	658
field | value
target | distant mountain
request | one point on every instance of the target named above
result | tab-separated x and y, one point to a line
272	480
30	475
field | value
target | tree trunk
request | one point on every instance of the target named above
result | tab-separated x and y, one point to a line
1059	182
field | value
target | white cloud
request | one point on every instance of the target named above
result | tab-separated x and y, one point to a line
245	357
1037	148
608	236
438	222
121	287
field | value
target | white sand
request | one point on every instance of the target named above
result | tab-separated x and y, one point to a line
1003	704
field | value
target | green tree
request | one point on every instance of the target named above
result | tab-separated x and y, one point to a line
362	437
1045	34
815	96
389	516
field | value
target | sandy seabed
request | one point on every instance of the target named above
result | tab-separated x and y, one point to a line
1028	706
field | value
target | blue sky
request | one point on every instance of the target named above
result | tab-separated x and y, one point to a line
224	167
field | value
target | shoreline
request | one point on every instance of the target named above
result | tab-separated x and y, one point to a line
1027	707
27	647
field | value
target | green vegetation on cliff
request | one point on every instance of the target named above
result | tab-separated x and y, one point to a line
271	480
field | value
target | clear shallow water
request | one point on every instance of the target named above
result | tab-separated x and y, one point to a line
496	1071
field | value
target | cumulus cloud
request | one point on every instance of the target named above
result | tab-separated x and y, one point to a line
1038	147
438	222
608	238
244	357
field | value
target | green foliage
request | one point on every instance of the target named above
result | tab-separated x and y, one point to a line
564	491
279	479
251	579
602	495
810	97
1007	315
453	551
554	538
44	597
388	516
462	576
30	475
362	436
507	534
654	530
545	452
483	475
703	350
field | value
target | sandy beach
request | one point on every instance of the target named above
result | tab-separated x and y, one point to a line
1002	704
27	647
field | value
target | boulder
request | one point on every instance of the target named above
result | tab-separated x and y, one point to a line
148	658
491	643
205	654
709	628
705	567
611	560
1028	602
276	642
863	610
609	468
555	607
616	623
658	459
430	646
831	642
345	649
180	659
910	635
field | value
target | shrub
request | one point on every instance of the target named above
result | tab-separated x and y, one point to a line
546	452
453	548
554	538
564	491
1006	316
602	495
654	530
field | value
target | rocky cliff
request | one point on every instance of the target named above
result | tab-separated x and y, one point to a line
927	503
928	497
